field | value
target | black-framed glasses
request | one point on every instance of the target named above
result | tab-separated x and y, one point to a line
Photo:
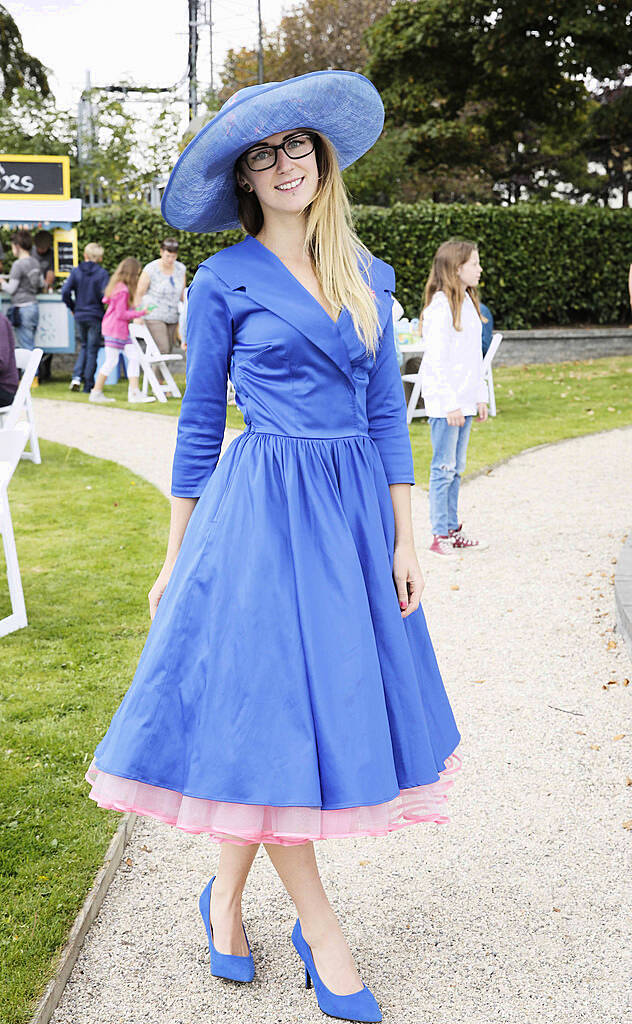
261	158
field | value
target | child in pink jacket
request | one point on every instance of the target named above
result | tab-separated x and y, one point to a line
115	327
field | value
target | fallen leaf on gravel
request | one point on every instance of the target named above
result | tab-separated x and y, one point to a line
479	680
628	824
455	586
595	746
612	682
611	645
626	682
146	849
129	862
621	736
603	686
363	863
628	781
579	732
589	574
556	910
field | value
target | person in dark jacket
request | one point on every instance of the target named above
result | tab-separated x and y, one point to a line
488	328
83	293
9	379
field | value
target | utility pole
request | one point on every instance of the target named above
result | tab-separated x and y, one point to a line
193	48
210	31
85	131
260	60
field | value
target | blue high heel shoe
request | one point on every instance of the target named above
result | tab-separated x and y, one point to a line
359	1006
224	965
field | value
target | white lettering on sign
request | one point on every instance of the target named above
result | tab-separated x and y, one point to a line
15	183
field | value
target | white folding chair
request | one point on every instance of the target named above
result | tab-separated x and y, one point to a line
150	355
487	371
28	361
12	444
415	380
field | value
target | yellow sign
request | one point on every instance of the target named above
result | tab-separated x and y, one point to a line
65	251
34	177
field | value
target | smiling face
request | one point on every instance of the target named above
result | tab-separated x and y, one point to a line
287	187
470	271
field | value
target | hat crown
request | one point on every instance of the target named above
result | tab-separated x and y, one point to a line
248	90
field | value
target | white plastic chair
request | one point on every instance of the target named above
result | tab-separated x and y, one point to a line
12	444
487	371
415	380
150	355
28	361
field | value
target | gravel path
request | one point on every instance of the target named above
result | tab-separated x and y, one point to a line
519	910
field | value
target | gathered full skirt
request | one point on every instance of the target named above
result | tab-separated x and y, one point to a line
280	696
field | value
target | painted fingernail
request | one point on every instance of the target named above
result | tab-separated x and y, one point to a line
402	604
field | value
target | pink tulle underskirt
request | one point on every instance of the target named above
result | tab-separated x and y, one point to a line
252	823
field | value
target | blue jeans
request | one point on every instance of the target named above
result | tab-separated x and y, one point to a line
25	333
449	451
88	336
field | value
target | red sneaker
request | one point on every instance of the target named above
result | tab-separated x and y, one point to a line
441	545
461	542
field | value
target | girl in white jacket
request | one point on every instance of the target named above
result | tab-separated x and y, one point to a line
453	387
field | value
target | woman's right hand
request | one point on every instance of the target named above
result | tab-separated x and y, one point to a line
158	590
456	418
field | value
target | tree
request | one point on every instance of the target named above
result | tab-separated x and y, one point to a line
313	36
18	69
494	97
609	142
31	123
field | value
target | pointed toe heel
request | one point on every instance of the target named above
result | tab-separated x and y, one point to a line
359	1006
224	965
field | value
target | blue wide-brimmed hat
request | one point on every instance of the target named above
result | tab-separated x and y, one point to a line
342	105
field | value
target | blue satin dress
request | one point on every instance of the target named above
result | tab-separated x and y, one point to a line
280	696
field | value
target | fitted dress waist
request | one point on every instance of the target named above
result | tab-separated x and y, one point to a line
252	429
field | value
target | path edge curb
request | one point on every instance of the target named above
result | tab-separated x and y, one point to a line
623	592
83	921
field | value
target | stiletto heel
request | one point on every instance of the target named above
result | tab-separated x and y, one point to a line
225	965
359	1006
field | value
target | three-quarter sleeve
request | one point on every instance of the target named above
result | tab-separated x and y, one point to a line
203	413
386	411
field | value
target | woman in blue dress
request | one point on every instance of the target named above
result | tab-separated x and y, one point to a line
288	689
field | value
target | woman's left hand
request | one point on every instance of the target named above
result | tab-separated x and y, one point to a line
408	578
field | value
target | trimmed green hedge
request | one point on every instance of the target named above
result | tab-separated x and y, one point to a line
543	263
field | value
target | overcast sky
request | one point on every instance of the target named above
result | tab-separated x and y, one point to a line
142	40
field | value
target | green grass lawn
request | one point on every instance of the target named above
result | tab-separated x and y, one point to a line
538	403
86	533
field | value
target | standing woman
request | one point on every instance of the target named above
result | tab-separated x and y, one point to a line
23	284
288	690
161	286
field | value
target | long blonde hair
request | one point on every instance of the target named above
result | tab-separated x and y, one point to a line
331	242
127	273
444	277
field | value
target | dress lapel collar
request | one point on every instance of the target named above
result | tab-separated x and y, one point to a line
270	284
250	266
